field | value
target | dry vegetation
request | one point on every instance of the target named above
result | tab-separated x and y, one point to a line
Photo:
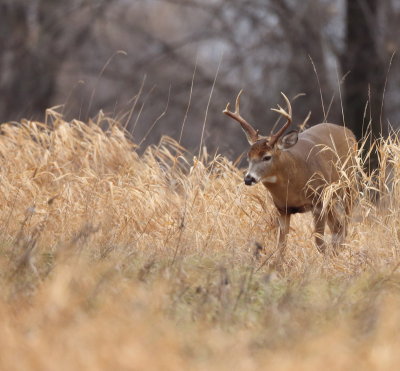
114	260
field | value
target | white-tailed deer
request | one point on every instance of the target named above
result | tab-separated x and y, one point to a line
296	168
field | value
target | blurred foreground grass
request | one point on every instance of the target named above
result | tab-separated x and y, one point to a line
113	260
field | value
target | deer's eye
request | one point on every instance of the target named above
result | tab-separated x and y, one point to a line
267	158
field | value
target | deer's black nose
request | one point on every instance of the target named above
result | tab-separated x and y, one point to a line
249	180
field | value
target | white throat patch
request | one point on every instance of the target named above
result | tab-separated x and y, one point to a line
270	179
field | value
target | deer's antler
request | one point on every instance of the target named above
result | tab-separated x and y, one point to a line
287	114
251	133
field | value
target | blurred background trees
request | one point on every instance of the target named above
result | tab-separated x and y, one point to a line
169	66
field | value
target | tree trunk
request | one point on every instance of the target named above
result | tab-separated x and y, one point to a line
364	66
27	78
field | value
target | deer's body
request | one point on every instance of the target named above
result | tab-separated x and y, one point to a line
296	168
319	148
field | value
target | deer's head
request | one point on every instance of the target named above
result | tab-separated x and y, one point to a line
265	153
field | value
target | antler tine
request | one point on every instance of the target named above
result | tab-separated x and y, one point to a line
287	115
251	133
237	102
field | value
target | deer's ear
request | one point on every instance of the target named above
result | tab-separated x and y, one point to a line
288	140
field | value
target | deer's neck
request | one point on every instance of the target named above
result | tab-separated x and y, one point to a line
287	185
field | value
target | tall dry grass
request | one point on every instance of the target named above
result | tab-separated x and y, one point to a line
114	260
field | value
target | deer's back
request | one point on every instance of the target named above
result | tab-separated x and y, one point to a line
333	136
325	148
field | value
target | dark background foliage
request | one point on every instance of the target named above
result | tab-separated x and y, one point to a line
168	67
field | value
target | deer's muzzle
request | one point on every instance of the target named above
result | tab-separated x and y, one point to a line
249	180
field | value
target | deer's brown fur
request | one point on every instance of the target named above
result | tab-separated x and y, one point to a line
296	168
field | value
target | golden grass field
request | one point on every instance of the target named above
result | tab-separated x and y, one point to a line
111	260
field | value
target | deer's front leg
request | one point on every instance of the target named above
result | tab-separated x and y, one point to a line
319	227
338	225
284	224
